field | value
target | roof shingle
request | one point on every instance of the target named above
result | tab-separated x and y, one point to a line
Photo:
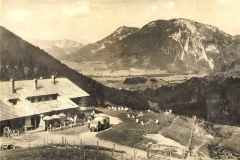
63	87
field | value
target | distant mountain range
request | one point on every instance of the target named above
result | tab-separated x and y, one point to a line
176	45
89	51
59	48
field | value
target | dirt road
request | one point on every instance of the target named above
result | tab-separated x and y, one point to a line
89	138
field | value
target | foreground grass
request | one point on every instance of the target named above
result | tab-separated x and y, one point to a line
54	153
129	132
177	128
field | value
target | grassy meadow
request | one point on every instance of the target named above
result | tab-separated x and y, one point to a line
177	128
49	152
130	133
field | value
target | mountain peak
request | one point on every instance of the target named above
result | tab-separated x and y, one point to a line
175	45
125	29
116	36
57	48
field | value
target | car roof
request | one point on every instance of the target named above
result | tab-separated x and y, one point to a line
101	118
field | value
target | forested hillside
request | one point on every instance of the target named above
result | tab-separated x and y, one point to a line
21	60
216	100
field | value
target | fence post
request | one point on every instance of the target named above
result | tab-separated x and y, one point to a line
84	154
80	145
97	146
62	140
134	153
112	151
73	146
51	142
44	142
114	147
65	147
121	156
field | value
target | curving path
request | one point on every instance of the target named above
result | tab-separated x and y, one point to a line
89	138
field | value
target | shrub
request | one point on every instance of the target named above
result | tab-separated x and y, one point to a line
135	80
153	80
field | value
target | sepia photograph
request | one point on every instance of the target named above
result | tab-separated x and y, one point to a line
120	79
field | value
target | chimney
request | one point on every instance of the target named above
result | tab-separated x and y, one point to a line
53	79
12	85
35	84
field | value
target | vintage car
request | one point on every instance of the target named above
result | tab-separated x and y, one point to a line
99	123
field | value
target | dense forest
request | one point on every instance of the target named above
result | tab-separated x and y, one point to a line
213	99
135	80
21	60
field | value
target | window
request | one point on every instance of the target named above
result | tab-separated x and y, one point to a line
42	98
39	99
54	96
13	101
50	97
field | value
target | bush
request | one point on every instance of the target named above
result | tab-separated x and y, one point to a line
135	80
153	80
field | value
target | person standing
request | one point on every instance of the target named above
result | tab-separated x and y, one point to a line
89	122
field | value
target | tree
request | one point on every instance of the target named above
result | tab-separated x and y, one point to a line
202	102
20	70
4	76
31	68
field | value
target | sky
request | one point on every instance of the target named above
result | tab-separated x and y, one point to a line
91	20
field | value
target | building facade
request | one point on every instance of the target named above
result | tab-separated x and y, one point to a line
23	104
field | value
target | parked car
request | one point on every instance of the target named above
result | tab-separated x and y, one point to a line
99	123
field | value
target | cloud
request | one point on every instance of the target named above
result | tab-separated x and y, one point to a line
19	15
154	8
80	9
167	3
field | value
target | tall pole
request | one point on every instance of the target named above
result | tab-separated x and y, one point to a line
190	139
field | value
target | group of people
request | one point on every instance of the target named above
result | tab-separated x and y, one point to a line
119	108
140	115
91	117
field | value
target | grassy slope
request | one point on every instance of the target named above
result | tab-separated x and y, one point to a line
52	153
131	134
177	128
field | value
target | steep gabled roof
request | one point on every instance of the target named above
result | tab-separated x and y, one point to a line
63	87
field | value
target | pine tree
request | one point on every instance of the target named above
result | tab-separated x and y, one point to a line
31	68
4	76
20	70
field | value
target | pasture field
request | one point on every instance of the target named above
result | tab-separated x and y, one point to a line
100	72
170	127
132	134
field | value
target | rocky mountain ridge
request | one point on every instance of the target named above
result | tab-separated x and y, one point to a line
176	45
57	48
